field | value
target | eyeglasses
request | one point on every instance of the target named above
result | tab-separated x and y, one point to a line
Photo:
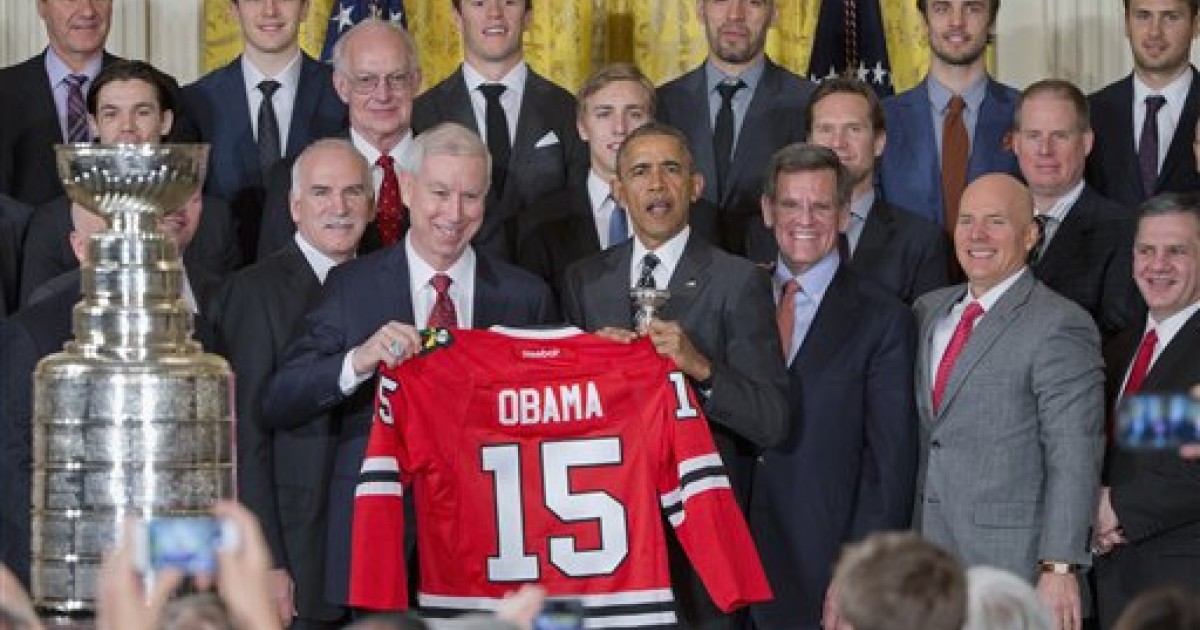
366	84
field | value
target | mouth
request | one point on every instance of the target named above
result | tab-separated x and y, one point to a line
659	208
957	39
802	234
496	31
981	254
272	28
338	225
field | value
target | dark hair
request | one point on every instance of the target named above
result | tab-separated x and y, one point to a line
130	70
613	73
654	128
801	157
1171	203
458	5
1194	5
993	8
1061	89
1163	608
846	85
900	580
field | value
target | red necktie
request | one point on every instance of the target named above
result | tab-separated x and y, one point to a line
962	332
443	314
954	160
389	215
786	316
1141	363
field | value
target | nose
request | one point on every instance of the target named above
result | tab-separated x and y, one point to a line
958	16
620	125
493	8
736	10
270	7
1044	145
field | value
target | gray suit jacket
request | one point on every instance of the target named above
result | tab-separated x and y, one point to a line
1010	464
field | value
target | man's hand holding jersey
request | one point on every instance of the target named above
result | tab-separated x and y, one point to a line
670	341
390	345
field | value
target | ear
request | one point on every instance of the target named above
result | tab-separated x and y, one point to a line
78	243
1088	138
341	85
168	121
697	186
880	143
95	128
768	211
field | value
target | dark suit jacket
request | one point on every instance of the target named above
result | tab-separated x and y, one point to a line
31	334
849	464
1089	260
48	252
904	253
774	119
282	475
561	229
1112	166
724	305
910	172
14	219
278	228
358	298
29	129
533	171
1156	495
218	107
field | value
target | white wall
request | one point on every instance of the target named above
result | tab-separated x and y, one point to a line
1080	40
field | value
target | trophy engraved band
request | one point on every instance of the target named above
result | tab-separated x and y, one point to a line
647	303
132	418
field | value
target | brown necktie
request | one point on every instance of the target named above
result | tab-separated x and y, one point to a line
443	313
785	317
954	160
390	210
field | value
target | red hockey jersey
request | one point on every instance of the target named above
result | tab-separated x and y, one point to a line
548	457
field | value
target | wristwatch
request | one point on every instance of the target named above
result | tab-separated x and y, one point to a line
1060	568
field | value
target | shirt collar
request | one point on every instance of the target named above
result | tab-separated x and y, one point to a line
288	78
816	280
751	76
371	154
420	272
514	80
598	190
861	207
57	70
1175	92
317	260
993	295
940	95
668	253
1167	328
1063	204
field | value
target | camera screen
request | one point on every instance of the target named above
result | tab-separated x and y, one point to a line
188	544
1150	421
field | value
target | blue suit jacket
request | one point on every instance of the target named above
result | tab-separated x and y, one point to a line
848	466
358	298
217	106
910	171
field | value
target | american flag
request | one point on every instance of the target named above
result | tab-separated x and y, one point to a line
347	13
850	41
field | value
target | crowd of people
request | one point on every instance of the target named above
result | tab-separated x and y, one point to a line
917	313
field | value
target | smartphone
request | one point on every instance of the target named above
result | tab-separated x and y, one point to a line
560	614
1158	421
189	544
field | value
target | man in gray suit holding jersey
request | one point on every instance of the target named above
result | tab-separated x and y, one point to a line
1009	387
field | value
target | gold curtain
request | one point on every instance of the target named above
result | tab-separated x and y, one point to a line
567	39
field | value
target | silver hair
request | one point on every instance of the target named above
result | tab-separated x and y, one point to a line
446	139
999	600
330	143
374	23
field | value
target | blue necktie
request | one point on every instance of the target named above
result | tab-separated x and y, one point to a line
618	224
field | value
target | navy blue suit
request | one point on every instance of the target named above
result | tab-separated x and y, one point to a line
910	171
774	119
359	297
848	466
1112	166
218	107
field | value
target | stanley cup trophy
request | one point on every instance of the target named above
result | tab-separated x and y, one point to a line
132	418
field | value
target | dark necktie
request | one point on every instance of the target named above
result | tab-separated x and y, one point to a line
1141	363
785	316
269	146
1148	144
618	224
1046	226
389	209
958	340
723	131
646	278
498	142
77	124
954	160
443	314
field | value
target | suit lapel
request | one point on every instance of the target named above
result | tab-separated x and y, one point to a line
698	127
530	126
393	287
836	320
304	110
876	234
1120	125
689	278
233	83
986	333
612	280
455	101
1177	358
993	124
1075	230
924	353
919	148
755	131
1179	154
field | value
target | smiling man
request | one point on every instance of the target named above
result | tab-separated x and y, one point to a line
1149	117
736	110
527	121
951	127
1009	390
717	324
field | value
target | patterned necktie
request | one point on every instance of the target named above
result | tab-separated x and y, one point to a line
498	142
443	314
269	146
77	124
1147	152
955	147
1141	363
646	278
389	209
962	332
785	316
1046	227
723	131
618	223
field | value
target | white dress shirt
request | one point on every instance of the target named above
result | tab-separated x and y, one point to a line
283	101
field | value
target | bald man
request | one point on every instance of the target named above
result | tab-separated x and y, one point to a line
1009	387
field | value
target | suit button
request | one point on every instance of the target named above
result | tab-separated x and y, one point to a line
935	444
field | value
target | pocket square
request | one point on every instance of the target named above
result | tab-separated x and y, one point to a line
548	140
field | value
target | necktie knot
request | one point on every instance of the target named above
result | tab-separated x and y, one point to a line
1154	102
77	123
492	91
268	87
789	290
971	314
443	314
385	162
75	81
441	282
956	105
727	89
646	279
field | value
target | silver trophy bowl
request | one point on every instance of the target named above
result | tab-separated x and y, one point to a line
132	418
647	303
